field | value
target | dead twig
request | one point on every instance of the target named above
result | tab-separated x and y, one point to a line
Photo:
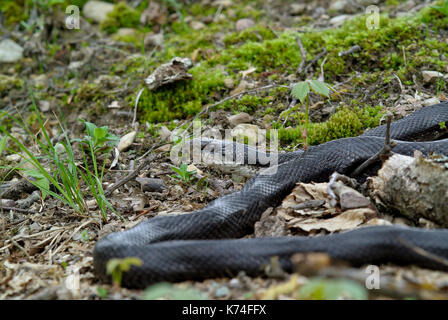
135	107
315	59
353	49
384	153
14	242
130	176
302	53
19	210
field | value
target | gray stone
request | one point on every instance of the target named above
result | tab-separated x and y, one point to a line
44	105
431	76
197	25
339	5
339	20
155	40
430	102
125	32
164	133
239	118
10	51
297	8
222	292
243	24
97	10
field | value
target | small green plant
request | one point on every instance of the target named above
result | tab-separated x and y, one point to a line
302	92
443	9
440	86
116	267
85	236
97	140
60	170
165	290
183	174
101	292
332	289
442	125
54	170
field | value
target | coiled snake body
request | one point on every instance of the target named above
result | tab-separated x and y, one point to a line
202	244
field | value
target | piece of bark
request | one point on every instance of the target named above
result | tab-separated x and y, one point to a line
416	187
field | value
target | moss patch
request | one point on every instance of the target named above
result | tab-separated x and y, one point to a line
346	122
121	16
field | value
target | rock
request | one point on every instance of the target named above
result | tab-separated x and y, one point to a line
229	83
8	203
243	24
97	10
40	80
319	12
114	105
164	133
235	283
339	20
44	105
197	25
222	292
10	51
154	40
108	81
239	118
367	3
297	8
156	13
243	86
431	76
164	148
13	157
126	141
75	65
125	32
252	132
151	184
339	5
430	102
349	198
192	168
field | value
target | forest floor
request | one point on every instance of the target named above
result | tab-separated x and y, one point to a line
246	56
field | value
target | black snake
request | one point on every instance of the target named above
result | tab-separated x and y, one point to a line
201	244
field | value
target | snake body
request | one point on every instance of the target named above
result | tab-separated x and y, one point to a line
204	243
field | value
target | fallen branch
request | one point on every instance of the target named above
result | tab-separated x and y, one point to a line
302	53
130	176
383	154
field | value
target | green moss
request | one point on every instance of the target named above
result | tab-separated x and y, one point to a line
254	34
346	122
401	46
8	83
121	16
281	53
14	11
135	39
181	99
247	103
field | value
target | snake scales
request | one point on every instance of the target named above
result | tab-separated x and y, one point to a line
204	244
